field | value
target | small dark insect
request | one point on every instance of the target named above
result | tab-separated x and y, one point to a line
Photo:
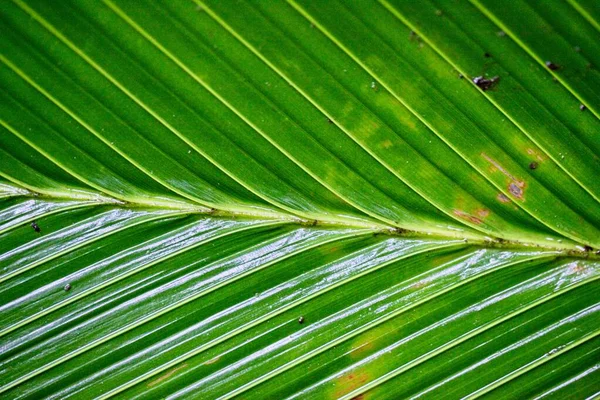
551	66
413	37
67	287
460	76
533	165
485	84
330	121
36	227
487	55
301	320
582	107
588	248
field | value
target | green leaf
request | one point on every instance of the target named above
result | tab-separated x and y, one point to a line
297	199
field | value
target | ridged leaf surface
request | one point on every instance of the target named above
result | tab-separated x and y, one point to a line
298	199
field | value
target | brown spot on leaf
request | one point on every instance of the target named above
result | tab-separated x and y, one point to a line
538	155
516	186
482	212
166	376
498	166
533	165
551	66
502	198
515	190
350	382
467	217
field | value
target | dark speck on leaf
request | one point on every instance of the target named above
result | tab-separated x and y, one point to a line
301	320
533	165
460	76
330	121
67	287
35	227
487	55
485	84
551	66
588	248
582	107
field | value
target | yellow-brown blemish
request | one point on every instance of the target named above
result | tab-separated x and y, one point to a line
515	187
482	212
166	376
366	341
538	155
387	144
577	268
467	217
502	198
350	382
212	360
420	284
498	166
364	348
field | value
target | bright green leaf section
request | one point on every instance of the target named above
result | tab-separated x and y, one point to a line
296	199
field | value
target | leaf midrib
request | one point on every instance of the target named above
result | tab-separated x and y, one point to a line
564	249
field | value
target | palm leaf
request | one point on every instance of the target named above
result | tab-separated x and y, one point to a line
299	199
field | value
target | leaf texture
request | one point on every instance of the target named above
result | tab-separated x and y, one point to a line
296	199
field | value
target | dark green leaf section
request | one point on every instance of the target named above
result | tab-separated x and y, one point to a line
346	112
553	46
160	303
